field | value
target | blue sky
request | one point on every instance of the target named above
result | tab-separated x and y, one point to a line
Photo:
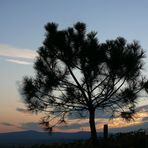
22	32
22	21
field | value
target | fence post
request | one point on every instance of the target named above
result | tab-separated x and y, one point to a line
105	131
146	138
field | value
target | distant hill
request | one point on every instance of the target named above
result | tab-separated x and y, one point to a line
28	138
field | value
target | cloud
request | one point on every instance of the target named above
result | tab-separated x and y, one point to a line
31	126
145	119
21	110
83	115
6	124
19	62
10	51
115	125
74	126
130	128
142	108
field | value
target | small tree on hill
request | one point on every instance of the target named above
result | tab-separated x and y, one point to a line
76	73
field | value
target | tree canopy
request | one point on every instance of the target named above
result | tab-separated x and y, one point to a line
74	72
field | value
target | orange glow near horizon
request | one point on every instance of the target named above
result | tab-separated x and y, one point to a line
114	123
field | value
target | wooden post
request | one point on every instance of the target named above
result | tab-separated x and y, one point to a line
105	131
146	138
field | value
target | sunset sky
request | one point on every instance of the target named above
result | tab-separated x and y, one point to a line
22	33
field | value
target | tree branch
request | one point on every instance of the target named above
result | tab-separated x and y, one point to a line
78	84
99	84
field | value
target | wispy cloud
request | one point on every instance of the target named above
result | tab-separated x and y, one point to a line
115	124
74	126
6	124
19	61
22	110
31	126
143	108
10	51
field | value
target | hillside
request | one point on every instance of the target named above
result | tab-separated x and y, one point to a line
27	138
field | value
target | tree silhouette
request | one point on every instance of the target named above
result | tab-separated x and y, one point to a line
76	73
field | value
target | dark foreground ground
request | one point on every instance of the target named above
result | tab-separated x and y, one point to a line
121	140
126	140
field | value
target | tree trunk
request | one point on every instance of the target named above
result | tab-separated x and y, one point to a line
92	125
